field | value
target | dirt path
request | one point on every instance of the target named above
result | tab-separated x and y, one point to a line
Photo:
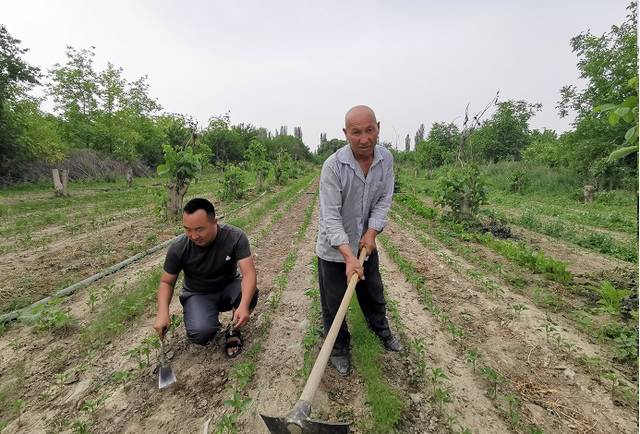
134	406
557	393
278	383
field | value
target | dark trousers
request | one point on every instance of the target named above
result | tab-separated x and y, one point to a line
201	310
370	293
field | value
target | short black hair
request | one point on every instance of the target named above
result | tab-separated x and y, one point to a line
199	203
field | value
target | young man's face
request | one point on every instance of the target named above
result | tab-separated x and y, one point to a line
361	132
200	229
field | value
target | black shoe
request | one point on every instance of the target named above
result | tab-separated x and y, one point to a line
392	343
341	364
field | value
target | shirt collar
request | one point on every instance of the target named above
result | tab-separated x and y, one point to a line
345	156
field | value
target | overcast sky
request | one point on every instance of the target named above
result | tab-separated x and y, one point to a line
304	63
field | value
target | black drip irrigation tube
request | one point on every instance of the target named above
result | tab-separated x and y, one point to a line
11	316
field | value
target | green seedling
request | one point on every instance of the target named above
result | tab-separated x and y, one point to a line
548	328
514	414
175	322
441	396
494	378
93	299
451	421
243	373
437	375
91	405
472	357
17	406
15	344
518	308
613	377
61	377
558	339
122	376
227	424
80	427
238	402
465	430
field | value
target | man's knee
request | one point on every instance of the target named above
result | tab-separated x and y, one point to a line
202	335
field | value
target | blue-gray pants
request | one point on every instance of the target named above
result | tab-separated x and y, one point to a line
201	310
370	293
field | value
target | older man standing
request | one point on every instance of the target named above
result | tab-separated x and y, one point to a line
356	187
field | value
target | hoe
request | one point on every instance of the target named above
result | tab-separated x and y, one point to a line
298	421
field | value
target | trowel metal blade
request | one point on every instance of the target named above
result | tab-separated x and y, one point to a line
166	377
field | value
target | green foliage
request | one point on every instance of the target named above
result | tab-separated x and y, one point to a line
606	63
610	297
461	192
327	148
626	111
386	403
439	147
233	184
52	317
283	169
506	134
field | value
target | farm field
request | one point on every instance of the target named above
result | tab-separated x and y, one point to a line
501	335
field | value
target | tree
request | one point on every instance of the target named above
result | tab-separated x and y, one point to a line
327	148
183	161
439	147
16	78
507	133
419	135
297	133
407	143
606	63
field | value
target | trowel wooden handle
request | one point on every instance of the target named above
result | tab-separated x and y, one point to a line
323	357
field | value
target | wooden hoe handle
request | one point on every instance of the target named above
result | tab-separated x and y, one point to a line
323	357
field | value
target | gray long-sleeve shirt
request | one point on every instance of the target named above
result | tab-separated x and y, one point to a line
350	203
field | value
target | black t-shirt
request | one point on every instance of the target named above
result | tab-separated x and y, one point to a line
209	268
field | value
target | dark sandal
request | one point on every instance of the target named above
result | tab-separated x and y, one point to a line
232	340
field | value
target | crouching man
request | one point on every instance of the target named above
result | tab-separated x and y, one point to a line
209	254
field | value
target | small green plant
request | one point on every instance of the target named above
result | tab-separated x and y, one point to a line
461	192
613	378
441	396
243	373
91	405
15	344
227	424
548	328
610	297
51	317
92	299
514	414
238	402
17	406
61	377
494	378
518	308
472	357
80	427
233	184
122	376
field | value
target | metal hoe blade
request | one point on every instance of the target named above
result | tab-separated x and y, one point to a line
279	425
166	376
298	422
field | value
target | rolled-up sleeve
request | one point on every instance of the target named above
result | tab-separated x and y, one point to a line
379	210
331	206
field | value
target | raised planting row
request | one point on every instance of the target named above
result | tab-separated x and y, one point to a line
596	310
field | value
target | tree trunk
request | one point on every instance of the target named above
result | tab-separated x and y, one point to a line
176	189
129	177
588	193
60	178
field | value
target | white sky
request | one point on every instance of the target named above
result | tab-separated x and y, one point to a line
304	63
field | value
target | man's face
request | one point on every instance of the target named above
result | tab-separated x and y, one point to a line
362	132
199	227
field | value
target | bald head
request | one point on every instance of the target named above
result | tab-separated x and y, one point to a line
361	129
359	113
